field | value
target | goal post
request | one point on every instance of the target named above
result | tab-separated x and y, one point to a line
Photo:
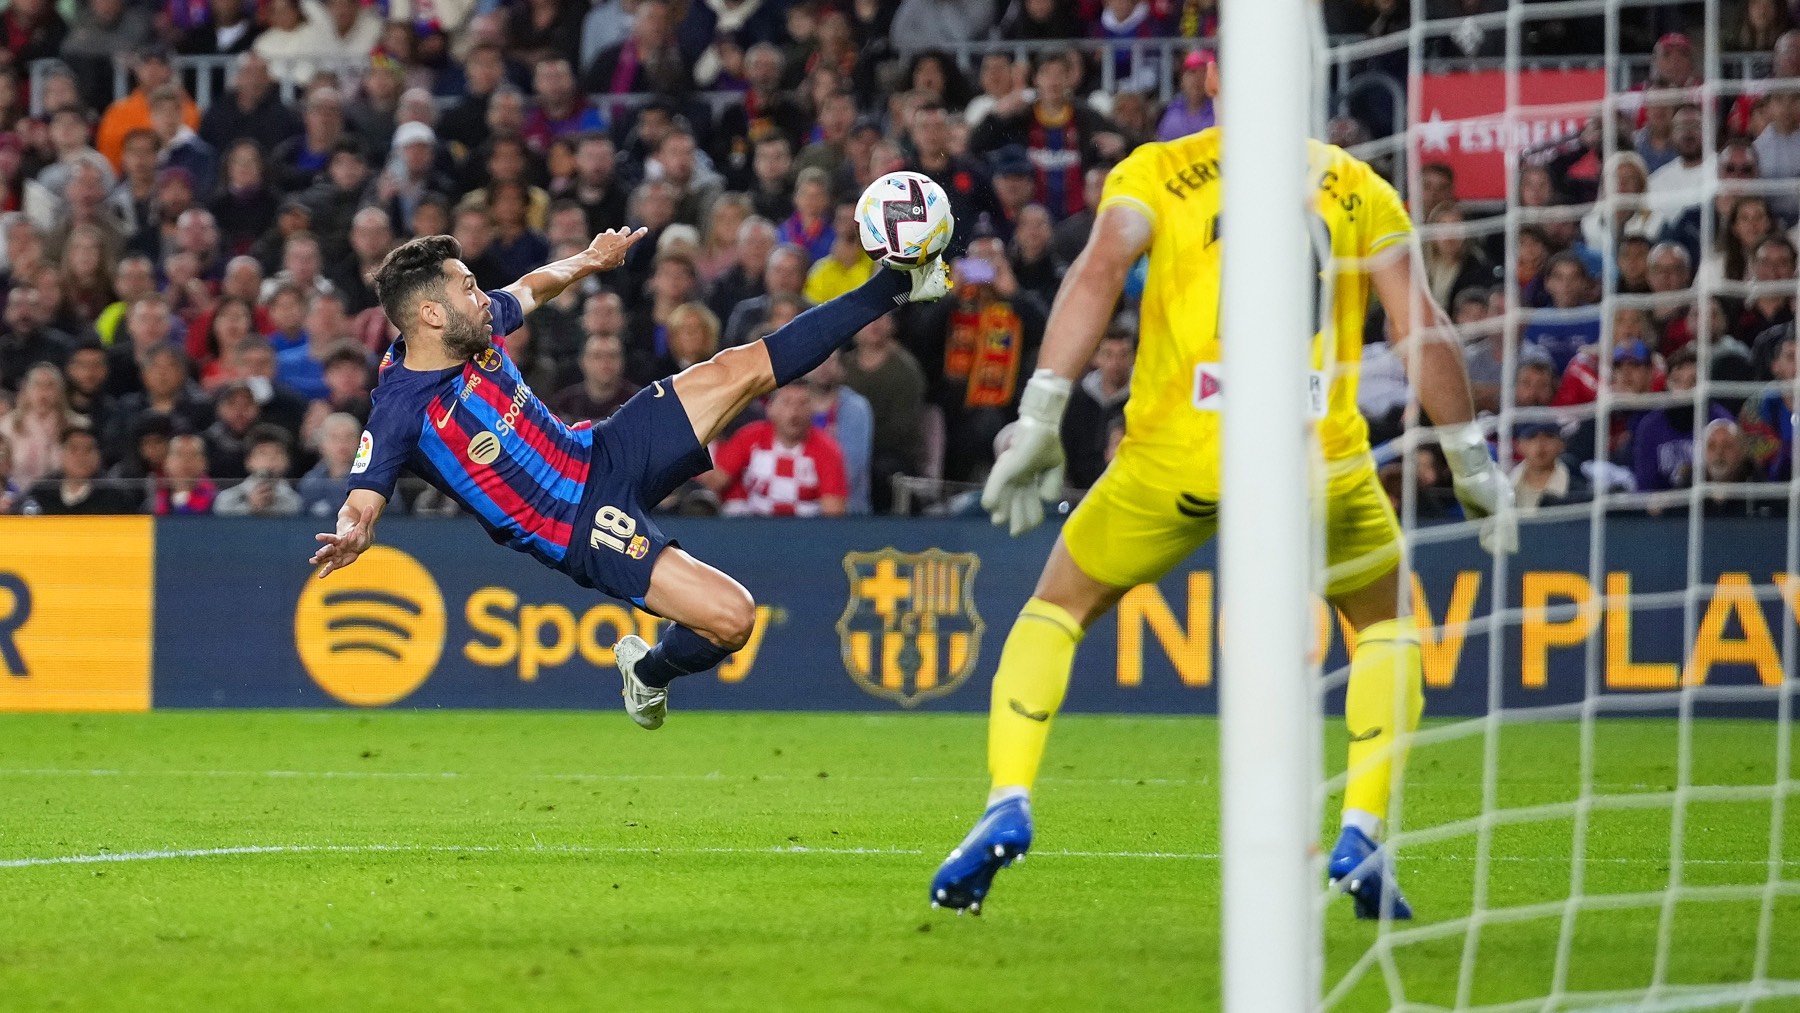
1268	704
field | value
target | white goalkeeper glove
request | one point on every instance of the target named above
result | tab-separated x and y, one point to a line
1481	488
1030	469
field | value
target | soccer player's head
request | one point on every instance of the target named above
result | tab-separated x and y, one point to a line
428	292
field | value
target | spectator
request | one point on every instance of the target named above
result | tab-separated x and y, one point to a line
1453	261
829	152
1749	223
1542	478
265	492
1191	110
940	24
299	161
603	388
647	61
1437	186
696	186
85	374
1570	288
1534	383
1630	214
12	494
782	466
86	205
1663	440
1033	263
183	489
595	187
1778	146
509	160
1737	162
1728	462
336	198
87	281
302	366
293	217
1095	402
1632	266
217	28
373	112
756	241
692	336
22	193
772	189
69	136
251	110
179	145
1000	90
844	267
464	124
1772	410
33	427
301	264
371	239
767	112
1041	21
287	319
783	275
316	34
322	489
1772	300
718	253
346	370
1655	140
245	206
105	29
1671	271
561	110
810	227
254	363
475	231
888	376
228	438
75	487
1677	185
964	179
152	71
1632	375
1071	234
164	388
214	337
846	417
27	339
1057	135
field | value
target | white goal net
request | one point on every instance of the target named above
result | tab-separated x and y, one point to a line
1596	812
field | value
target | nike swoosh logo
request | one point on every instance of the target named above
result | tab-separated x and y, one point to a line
1030	715
441	423
658	385
1365	736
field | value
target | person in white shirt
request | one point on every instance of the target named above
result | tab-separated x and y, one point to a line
1676	186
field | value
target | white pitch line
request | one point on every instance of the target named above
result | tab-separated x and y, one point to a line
777	851
446	775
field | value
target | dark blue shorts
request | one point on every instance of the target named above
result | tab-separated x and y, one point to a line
642	453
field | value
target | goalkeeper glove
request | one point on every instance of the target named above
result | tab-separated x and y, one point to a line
1030	468
1481	488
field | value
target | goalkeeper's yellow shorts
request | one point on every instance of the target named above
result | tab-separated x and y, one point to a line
1128	531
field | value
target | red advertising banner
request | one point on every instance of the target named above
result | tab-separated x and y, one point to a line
1462	122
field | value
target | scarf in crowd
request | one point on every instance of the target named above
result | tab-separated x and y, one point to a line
985	346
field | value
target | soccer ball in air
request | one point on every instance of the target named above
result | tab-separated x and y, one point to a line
904	220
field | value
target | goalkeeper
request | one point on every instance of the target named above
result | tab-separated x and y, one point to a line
1158	500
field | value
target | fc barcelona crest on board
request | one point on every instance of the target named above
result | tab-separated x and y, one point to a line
910	631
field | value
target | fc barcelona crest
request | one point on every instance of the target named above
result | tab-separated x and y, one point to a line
910	631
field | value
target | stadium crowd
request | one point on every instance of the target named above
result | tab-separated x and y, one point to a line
189	324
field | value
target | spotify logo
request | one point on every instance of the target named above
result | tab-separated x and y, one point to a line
484	448
371	634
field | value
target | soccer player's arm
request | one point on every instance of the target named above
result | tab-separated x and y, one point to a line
1421	335
1030	469
380	455
546	283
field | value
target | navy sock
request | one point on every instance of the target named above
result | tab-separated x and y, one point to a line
809	339
680	652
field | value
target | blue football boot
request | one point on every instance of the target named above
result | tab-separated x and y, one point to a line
1001	837
1360	868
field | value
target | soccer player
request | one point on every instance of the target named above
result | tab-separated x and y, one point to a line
450	403
1158	500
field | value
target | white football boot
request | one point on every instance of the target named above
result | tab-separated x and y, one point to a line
647	705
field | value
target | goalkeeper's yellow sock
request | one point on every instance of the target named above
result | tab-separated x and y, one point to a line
1028	689
1385	671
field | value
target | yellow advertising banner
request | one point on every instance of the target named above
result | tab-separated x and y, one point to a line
75	600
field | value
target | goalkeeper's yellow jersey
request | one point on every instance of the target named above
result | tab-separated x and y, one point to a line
1172	418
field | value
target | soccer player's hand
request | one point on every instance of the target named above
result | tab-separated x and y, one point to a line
1030	467
1482	489
354	534
608	249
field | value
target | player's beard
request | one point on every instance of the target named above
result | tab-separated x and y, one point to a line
466	337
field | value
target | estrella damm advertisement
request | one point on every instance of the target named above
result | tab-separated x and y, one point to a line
872	614
75	613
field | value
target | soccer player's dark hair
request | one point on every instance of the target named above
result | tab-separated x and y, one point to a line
413	269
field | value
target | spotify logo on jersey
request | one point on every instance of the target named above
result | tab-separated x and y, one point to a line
484	448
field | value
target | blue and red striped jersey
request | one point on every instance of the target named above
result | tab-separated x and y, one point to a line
479	433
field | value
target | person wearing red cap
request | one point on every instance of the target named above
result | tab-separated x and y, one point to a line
1191	110
1671	66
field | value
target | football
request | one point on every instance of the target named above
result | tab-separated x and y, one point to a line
904	220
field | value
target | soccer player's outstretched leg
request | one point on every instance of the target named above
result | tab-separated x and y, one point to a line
450	403
1158	499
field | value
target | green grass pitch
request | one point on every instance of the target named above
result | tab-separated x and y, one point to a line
772	862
